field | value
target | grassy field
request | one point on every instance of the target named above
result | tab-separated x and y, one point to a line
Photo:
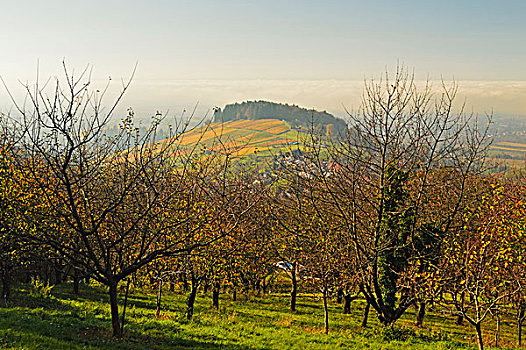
62	321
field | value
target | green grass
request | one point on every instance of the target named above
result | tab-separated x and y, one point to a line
63	321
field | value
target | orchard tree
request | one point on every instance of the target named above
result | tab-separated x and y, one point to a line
223	233
404	145
13	200
311	236
115	203
477	260
290	216
508	215
17	196
253	260
324	256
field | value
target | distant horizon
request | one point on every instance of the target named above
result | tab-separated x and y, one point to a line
147	96
504	98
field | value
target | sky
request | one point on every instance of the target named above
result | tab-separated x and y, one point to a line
312	53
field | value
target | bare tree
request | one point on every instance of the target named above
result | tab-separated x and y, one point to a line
115	202
398	182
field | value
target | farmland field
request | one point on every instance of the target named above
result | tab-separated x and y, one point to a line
507	155
509	146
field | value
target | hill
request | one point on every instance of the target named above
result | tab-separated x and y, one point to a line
297	117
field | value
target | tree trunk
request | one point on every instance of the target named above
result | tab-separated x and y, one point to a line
460	320
325	310
185	282
206	286
420	314
58	274
520	320
75	281
366	314
159	293
460	317
6	288
294	289
257	288
191	300
172	287
347	304
497	330
479	336
46	279
519	325
339	296
234	294
123	320
264	286
215	295
114	307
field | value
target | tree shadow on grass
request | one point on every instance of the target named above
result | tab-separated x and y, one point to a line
23	298
31	329
55	322
98	294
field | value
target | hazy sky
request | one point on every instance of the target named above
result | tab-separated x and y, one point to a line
306	52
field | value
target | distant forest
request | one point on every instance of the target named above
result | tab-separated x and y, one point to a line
297	117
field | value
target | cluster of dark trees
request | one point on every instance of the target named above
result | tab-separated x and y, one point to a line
297	117
399	210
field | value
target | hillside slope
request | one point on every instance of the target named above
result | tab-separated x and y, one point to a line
242	137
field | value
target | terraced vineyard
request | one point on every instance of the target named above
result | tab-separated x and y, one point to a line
242	137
